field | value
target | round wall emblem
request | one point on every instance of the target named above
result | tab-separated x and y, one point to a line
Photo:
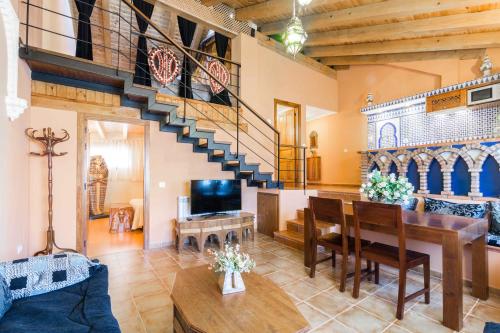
217	69
163	64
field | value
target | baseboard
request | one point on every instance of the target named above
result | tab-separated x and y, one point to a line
159	245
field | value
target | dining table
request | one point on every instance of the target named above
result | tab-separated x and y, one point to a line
452	233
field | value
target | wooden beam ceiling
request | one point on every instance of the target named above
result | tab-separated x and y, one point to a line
375	59
435	26
430	44
383	12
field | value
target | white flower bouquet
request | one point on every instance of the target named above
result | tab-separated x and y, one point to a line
231	260
388	189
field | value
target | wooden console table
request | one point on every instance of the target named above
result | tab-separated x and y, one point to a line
200	307
220	225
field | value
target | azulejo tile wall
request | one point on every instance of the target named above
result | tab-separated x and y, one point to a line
405	122
471	169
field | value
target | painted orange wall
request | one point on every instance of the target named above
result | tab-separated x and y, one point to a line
342	135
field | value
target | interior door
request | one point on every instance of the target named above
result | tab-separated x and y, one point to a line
287	125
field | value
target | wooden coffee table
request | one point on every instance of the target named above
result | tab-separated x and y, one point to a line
200	307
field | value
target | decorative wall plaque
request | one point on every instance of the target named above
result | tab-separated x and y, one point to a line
163	64
217	69
448	100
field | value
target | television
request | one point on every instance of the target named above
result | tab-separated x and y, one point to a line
215	196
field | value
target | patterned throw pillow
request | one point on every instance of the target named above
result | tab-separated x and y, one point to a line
493	240
451	208
411	205
495	218
5	295
38	275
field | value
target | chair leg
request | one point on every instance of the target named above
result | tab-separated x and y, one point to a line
427	281
334	259
314	254
357	277
401	294
343	272
369	269
377	273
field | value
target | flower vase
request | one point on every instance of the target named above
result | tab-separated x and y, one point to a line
231	282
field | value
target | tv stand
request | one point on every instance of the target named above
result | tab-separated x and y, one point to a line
200	227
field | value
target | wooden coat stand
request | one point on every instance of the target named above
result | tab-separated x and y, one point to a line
48	140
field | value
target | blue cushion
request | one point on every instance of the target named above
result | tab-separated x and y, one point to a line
411	205
5	295
495	218
451	208
494	240
491	328
38	275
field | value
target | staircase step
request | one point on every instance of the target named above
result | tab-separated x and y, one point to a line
290	238
297	225
300	214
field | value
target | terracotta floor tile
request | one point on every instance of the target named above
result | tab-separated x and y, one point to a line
379	307
333	326
486	313
158	320
322	281
301	290
152	302
396	329
331	304
417	323
265	268
493	300
313	316
280	278
362	321
132	325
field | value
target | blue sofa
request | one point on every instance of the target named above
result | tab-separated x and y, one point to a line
82	307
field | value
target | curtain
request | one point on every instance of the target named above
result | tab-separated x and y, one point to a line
221	43
186	29
84	37
124	158
142	75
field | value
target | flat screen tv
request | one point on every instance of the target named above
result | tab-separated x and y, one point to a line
215	196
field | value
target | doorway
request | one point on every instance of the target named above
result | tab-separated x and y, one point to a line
287	117
114	180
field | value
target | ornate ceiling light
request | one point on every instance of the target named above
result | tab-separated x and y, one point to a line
295	36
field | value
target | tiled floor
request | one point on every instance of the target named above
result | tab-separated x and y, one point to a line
101	241
140	284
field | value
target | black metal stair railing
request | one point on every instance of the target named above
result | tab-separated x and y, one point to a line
252	134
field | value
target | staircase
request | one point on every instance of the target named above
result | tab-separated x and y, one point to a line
58	68
293	236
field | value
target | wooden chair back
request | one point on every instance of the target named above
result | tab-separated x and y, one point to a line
384	216
324	209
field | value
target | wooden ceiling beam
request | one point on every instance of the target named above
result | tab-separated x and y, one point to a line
434	26
379	13
376	59
275	8
429	44
209	3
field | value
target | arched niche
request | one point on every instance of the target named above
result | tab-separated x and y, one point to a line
393	168
435	178
489	178
313	140
460	177
374	167
413	175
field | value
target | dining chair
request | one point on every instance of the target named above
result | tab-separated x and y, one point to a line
331	211
390	218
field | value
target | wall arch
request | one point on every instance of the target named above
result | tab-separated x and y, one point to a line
460	177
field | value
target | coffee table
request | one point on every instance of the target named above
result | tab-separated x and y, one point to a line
200	307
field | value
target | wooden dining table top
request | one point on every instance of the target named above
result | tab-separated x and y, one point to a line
429	226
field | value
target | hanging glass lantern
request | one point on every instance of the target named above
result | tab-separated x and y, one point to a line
295	36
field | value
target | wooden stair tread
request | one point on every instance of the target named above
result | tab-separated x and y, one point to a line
319	224
290	238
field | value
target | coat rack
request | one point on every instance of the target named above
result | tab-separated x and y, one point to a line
48	140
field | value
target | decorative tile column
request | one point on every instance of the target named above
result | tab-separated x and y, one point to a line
474	183
364	166
423	180
447	182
